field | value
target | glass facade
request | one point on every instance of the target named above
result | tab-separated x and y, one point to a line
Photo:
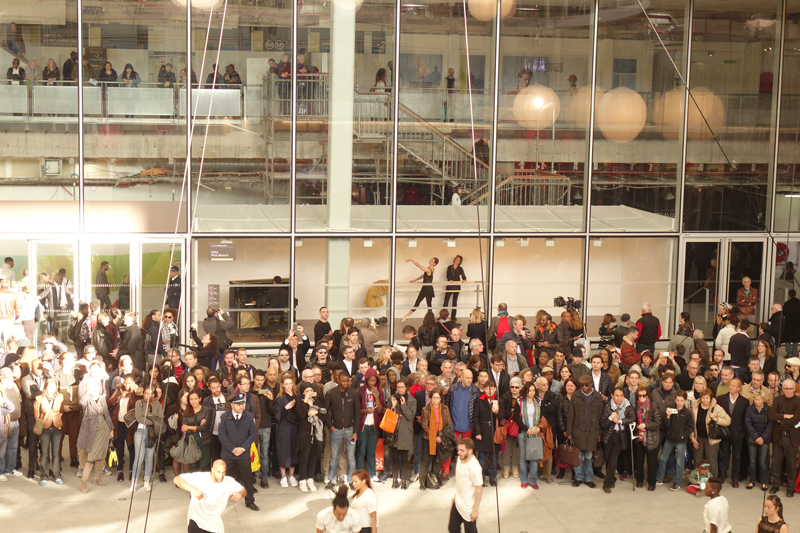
553	147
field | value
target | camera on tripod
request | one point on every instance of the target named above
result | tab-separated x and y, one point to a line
570	304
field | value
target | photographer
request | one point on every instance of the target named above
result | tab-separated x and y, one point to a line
217	322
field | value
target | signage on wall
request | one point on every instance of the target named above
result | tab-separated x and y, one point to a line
222	251
213	296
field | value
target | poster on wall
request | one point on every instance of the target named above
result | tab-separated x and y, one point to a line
420	69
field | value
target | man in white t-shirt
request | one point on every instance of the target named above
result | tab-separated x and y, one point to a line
339	518
210	492
469	489
715	513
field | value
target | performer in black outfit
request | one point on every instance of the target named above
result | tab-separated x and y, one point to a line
454	273
426	292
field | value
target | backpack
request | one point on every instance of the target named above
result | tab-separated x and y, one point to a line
75	324
503	327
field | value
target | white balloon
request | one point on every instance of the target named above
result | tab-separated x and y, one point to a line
536	107
668	114
486	9
621	115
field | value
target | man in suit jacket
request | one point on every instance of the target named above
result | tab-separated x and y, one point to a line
237	432
583	427
499	376
736	406
601	382
740	348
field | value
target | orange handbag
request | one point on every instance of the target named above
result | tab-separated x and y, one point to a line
389	422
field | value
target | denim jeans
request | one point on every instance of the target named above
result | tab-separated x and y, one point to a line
759	455
264	435
365	453
419	442
584	471
792	348
143	455
489	469
668	452
337	437
670	466
8	450
50	439
527	469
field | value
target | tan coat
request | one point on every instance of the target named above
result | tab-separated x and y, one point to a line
723	418
43	410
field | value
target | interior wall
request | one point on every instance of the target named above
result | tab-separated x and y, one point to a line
625	273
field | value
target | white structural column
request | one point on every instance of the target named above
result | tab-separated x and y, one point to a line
337	280
340	129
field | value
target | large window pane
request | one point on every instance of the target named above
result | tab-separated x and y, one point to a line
733	63
410	288
257	305
342	71
626	273
638	119
135	134
39	116
787	197
545	54
437	150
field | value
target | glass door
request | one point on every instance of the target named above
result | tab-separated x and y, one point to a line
161	277
701	282
109	272
745	280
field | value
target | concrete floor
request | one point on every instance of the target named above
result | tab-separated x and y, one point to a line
26	507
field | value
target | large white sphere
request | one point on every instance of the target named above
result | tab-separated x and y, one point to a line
485	9
536	107
621	115
668	114
580	105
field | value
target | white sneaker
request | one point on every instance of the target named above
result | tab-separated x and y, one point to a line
147	486
344	479
3	477
284	482
17	473
310	485
327	480
303	486
414	478
375	479
292	481
133	487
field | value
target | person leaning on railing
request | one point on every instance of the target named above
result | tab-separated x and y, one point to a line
51	72
129	77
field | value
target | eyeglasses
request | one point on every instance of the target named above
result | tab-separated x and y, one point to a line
322	351
168	316
513	387
713	369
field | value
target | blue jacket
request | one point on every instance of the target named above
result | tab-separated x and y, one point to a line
233	435
757	424
473	398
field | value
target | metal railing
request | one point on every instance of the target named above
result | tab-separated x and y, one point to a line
107	100
532	188
312	96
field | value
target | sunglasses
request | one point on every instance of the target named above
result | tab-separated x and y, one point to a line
167	316
514	387
322	351
643	396
714	369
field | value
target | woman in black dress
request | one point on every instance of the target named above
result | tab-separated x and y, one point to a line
286	429
485	419
454	274
476	329
426	292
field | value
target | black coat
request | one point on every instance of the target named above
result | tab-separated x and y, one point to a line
101	340
740	349
562	415
131	344
484	422
505	381
776	327
609	427
305	436
737	414
791	324
585	431
549	407
203	428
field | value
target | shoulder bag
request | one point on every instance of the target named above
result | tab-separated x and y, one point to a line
186	452
389	422
715	431
568	454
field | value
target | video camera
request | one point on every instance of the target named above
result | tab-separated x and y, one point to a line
570	304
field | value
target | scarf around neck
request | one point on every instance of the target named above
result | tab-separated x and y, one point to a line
536	413
620	410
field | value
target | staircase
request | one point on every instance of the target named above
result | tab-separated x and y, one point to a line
444	158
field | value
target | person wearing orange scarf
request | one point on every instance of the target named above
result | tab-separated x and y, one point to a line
435	417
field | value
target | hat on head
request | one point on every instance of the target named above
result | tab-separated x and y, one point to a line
238	398
460	186
726	306
572	77
794	361
585	379
303	386
625	317
548	368
173	268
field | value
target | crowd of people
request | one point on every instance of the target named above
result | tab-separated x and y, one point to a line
529	398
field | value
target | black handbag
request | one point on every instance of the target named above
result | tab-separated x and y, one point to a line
715	431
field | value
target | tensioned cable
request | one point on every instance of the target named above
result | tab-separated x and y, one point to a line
478	212
186	178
